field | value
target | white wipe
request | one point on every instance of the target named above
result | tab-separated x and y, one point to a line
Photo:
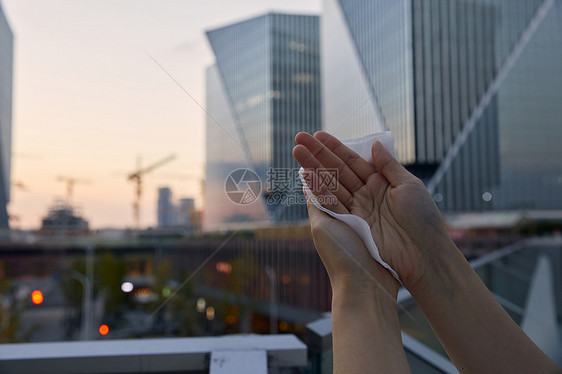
362	146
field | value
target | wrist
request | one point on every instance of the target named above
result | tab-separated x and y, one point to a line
444	272
370	298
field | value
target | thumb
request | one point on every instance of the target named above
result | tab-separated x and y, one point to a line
389	167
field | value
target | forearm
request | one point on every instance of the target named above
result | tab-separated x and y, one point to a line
474	329
366	333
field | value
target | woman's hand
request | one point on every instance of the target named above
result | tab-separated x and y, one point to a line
405	222
352	270
365	326
477	333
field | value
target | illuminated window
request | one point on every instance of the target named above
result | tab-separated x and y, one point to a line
303	78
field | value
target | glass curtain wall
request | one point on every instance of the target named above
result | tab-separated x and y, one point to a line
269	74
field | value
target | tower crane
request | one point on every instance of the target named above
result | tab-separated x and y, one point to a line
137	177
70	182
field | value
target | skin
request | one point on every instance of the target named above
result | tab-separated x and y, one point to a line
411	235
365	327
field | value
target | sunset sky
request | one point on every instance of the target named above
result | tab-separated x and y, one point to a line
88	99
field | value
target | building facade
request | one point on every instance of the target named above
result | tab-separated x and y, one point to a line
185	212
62	221
468	88
262	90
166	212
6	73
179	216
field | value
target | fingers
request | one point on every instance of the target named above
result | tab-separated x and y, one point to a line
323	194
389	167
329	160
334	198
356	163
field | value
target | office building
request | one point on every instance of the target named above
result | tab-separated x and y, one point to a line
180	216
470	90
166	209
185	210
262	90
6	73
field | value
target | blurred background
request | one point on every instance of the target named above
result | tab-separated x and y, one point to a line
147	186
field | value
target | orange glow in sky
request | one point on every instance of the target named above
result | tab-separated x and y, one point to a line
88	100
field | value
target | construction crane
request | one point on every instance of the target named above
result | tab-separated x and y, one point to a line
137	177
70	182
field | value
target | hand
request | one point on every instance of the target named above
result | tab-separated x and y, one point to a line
365	325
476	332
405	222
352	270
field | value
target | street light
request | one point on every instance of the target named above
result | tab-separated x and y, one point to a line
127	287
86	303
87	282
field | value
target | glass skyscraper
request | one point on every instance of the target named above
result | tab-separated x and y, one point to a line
262	90
470	90
6	72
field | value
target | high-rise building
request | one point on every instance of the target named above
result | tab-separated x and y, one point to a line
185	211
180	216
166	209
470	90
6	72
262	90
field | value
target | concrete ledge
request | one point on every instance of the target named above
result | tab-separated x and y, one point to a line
145	355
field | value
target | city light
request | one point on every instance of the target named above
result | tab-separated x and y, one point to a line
37	297
283	326
104	330
201	304
224	267
210	313
144	292
127	287
166	291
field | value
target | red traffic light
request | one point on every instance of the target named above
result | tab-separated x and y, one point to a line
37	297
104	329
